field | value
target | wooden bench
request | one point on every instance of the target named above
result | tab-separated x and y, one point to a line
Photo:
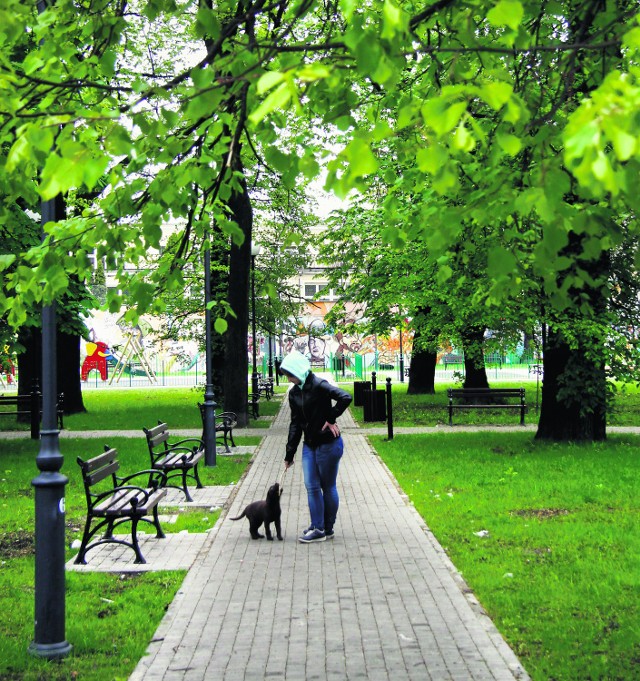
175	459
486	398
452	359
226	421
265	387
23	405
112	501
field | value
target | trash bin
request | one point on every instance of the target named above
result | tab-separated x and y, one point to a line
374	405
358	389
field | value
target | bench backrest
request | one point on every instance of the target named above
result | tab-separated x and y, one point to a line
486	392
157	436
97	469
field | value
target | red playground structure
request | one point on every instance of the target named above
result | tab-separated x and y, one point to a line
97	353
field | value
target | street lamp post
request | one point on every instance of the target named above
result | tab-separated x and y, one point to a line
209	430
49	631
255	251
401	356
271	340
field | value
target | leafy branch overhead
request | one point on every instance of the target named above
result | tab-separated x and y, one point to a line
516	121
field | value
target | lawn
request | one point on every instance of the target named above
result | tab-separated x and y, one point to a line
545	534
137	408
110	618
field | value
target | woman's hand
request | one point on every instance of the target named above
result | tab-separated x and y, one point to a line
333	427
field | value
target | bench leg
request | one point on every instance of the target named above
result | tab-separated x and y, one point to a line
450	415
233	444
226	443
109	533
156	521
80	558
196	475
134	542
185	488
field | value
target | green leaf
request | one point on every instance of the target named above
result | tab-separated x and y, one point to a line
6	260
94	169
220	325
462	138
506	13
207	22
313	72
623	143
269	80
278	99
362	160
394	20
496	94
441	116
430	159
348	7
510	144
500	262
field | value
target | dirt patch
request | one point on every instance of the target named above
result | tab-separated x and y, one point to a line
17	545
540	513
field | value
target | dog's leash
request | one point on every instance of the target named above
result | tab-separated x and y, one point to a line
284	472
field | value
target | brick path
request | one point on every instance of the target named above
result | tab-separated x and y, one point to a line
380	601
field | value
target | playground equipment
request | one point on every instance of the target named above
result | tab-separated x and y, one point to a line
97	355
7	369
133	353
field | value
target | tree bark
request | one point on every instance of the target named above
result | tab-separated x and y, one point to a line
566	413
67	367
235	382
474	369
422	371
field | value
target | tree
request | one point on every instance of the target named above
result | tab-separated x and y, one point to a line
517	121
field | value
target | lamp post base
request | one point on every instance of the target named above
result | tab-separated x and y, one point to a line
50	651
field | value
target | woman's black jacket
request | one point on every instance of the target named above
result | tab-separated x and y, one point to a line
311	407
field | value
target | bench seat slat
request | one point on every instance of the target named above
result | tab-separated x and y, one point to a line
119	505
176	459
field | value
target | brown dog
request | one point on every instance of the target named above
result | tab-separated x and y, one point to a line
267	512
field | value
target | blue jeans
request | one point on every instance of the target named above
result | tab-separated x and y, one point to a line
320	468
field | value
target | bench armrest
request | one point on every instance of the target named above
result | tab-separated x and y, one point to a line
151	473
197	444
141	497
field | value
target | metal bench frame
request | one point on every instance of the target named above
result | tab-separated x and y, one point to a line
175	459
226	421
472	395
117	503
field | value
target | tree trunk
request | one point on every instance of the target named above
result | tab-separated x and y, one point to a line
474	369
236	347
67	367
566	413
68	364
422	371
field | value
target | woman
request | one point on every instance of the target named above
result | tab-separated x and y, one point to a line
313	415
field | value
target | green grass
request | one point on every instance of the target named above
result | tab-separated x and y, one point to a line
110	617
559	571
137	408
